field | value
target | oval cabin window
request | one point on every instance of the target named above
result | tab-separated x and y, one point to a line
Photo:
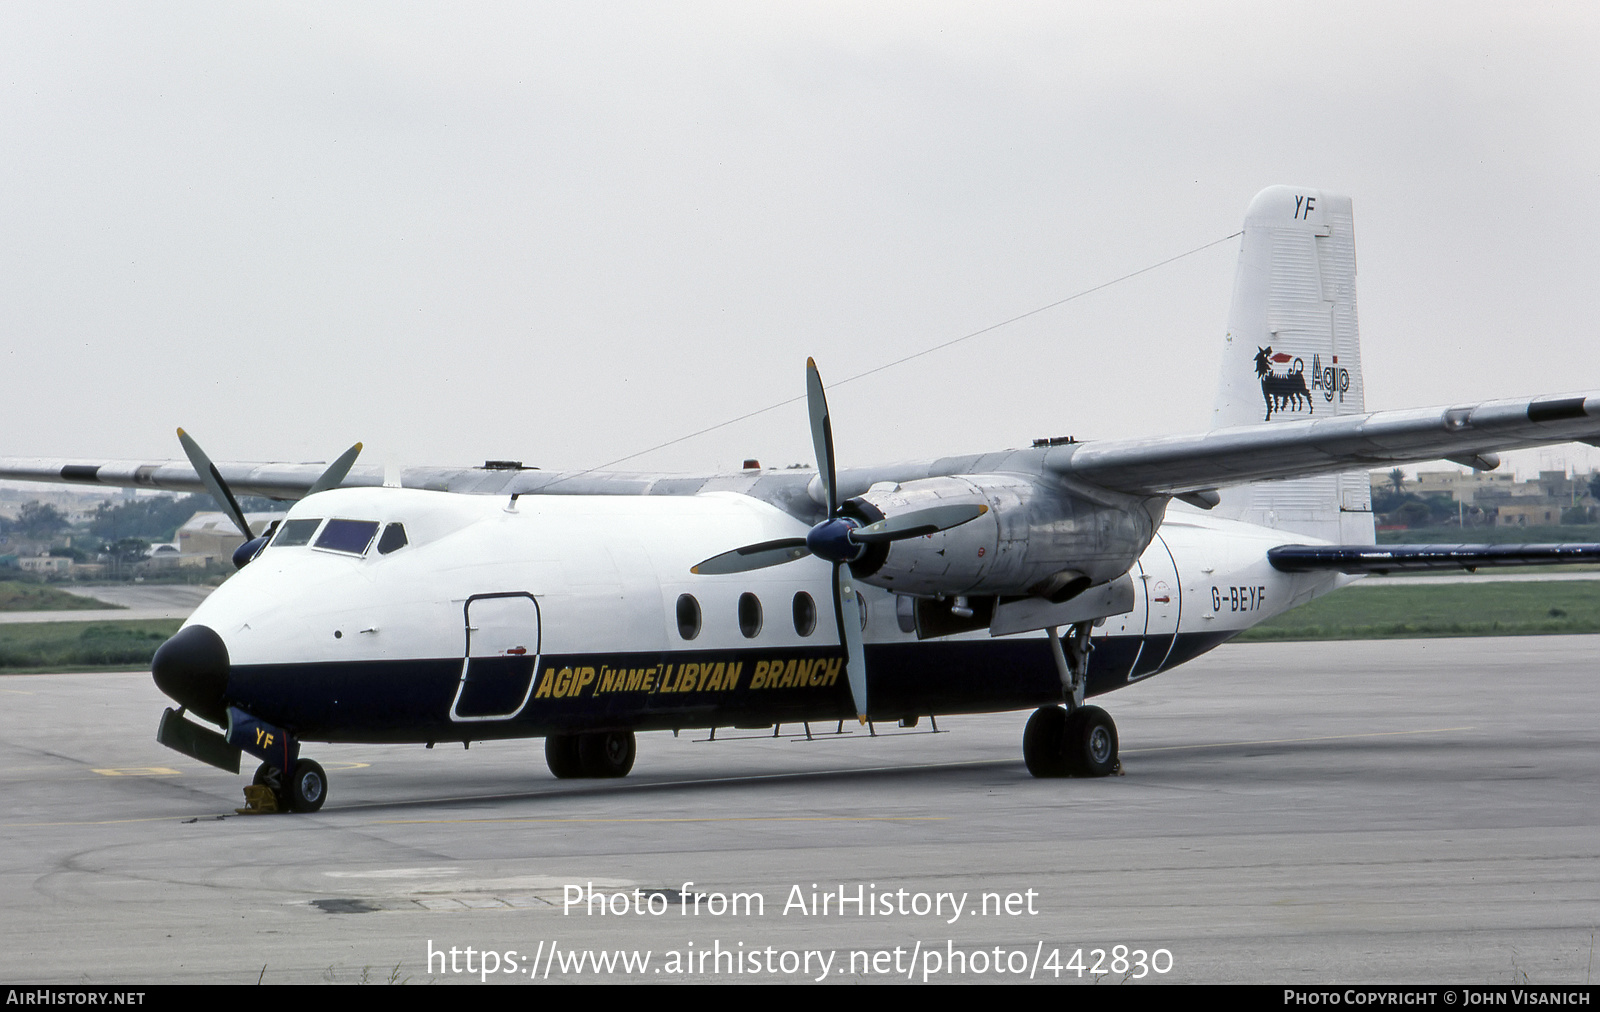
688	616
805	614
749	615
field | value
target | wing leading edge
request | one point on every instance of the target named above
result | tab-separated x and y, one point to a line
1158	466
1179	465
297	480
273	480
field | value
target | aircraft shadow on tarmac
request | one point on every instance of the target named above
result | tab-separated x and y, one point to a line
1387	756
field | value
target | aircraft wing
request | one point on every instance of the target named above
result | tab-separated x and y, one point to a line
294	480
1166	465
1175	465
274	480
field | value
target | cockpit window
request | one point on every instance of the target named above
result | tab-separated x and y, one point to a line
295	532
394	539
353	536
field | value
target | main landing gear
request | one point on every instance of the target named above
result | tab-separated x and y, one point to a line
304	791
594	754
1075	740
1082	743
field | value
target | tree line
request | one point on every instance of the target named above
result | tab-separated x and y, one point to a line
148	519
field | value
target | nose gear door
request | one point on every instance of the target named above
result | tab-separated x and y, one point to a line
502	655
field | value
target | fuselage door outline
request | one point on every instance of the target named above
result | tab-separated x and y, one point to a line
500	666
1163	608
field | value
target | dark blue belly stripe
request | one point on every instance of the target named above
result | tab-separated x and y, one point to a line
410	700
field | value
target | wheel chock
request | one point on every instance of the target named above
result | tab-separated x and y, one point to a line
259	800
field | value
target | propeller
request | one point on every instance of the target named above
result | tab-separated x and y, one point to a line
336	471
840	539
212	479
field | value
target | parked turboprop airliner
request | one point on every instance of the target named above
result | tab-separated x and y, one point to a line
506	602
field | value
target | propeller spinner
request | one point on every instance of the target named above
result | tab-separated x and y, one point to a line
840	539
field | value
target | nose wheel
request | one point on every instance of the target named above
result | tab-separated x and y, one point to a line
303	791
1082	743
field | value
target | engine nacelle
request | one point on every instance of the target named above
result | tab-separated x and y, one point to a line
1036	538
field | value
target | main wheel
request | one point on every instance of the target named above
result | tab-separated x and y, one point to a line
1044	743
308	788
561	755
1091	742
606	753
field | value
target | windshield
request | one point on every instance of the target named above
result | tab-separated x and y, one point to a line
352	536
296	532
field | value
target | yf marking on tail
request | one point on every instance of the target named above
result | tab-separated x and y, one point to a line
1287	390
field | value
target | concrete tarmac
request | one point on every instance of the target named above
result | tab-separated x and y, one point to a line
1420	811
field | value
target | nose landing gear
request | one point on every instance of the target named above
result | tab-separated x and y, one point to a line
303	789
270	791
308	787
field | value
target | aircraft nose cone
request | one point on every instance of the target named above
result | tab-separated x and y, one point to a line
192	668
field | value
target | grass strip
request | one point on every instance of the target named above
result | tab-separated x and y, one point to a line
1557	535
82	646
18	596
1455	609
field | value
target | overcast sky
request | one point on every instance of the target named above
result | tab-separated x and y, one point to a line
563	233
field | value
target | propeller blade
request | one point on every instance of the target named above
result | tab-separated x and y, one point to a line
821	435
211	478
847	610
743	560
336	471
917	523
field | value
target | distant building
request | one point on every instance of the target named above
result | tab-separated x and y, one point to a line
1559	487
53	565
210	538
1524	516
1498	495
167	557
1461	486
77	506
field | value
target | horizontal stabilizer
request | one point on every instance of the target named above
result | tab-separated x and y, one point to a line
1355	559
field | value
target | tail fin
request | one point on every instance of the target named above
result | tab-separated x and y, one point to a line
1293	351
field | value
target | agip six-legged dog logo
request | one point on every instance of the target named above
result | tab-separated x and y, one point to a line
1286	390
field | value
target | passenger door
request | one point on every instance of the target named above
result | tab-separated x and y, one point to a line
502	656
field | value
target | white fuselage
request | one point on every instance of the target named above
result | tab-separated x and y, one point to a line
572	609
